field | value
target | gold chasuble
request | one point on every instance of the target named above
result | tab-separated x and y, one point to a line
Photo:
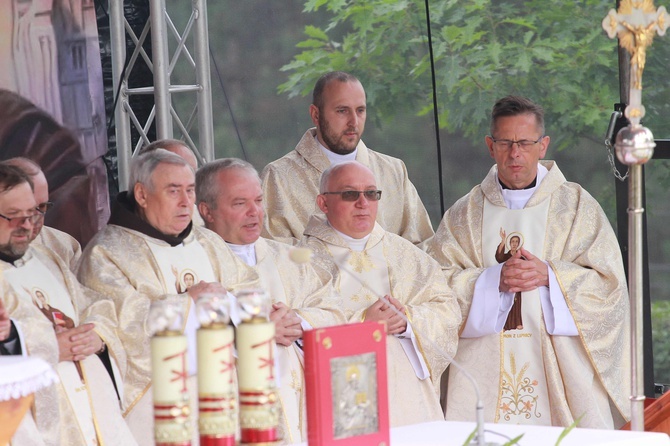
63	244
529	375
37	338
135	269
307	289
391	265
291	184
88	404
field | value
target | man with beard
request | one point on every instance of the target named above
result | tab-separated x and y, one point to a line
84	406
139	257
230	200
291	183
62	243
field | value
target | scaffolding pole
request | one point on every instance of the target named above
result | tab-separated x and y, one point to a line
162	62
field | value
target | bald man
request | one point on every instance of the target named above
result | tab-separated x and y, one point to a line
368	263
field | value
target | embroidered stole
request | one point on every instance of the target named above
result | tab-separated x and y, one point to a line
34	283
363	277
180	267
523	396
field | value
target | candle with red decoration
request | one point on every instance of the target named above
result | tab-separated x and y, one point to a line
169	373
259	412
217	394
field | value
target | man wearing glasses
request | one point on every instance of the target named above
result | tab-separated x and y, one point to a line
51	318
379	274
566	357
290	184
62	243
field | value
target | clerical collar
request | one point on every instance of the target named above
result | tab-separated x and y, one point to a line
355	244
124	214
517	198
9	259
245	252
336	158
530	186
16	261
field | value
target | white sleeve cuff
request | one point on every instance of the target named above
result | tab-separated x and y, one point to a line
490	307
557	316
506	302
235	317
409	344
304	324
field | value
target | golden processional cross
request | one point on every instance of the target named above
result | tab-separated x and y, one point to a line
635	24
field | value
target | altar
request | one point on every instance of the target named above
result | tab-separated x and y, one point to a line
454	433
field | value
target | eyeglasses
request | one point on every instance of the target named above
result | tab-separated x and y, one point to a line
44	207
352	195
19	221
524	144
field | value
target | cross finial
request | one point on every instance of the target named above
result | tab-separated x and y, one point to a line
636	23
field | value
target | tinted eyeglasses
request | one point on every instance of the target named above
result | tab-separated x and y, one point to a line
44	207
352	195
18	221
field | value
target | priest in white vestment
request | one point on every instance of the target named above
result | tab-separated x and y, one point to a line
291	183
51	319
150	251
230	200
178	147
566	357
11	343
61	243
368	264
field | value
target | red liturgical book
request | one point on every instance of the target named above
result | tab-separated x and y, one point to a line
346	385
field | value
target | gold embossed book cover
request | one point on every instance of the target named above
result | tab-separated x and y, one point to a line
346	385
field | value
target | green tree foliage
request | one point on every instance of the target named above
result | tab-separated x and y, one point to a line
660	326
553	52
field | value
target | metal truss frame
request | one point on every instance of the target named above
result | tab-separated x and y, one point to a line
162	64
